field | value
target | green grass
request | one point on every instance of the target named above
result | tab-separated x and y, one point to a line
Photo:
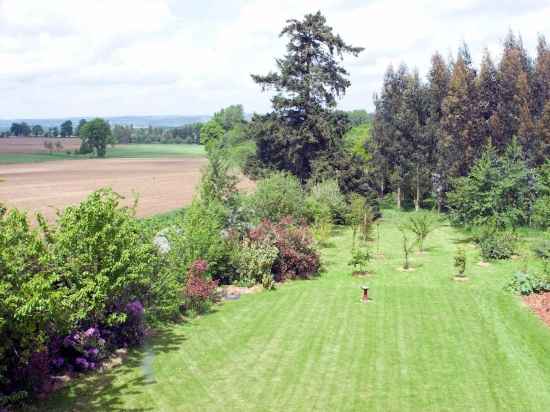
13	158
123	151
424	343
156	150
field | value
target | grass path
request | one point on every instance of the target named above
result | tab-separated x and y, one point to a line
424	343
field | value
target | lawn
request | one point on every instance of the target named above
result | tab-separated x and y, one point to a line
124	151
424	343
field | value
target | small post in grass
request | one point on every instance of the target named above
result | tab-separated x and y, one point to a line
365	293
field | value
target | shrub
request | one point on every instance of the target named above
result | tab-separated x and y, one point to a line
91	277
496	244
27	303
542	251
360	217
199	291
528	283
102	261
322	226
360	259
254	260
296	256
541	212
277	196
460	262
200	236
498	190
327	194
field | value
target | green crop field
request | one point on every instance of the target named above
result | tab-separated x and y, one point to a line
423	343
120	151
155	150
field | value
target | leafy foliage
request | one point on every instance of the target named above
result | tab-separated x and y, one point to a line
360	258
460	262
95	134
327	195
541	212
421	224
296	258
199	290
253	261
276	197
496	244
498	189
92	270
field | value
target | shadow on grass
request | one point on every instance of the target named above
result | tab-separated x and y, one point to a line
463	240
101	391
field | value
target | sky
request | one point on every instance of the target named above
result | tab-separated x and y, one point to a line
65	58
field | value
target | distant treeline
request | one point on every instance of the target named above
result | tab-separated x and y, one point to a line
125	134
65	129
189	133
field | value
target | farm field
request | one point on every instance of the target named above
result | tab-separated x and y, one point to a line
45	187
423	343
31	150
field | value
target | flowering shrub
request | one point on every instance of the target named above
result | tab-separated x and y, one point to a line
296	256
199	291
253	261
82	350
81	289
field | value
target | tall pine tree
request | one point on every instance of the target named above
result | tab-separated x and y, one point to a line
308	82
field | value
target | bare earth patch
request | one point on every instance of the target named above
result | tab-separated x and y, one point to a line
540	304
163	184
35	144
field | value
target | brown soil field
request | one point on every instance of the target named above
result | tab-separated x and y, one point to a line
35	144
163	184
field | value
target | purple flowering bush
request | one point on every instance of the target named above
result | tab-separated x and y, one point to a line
71	295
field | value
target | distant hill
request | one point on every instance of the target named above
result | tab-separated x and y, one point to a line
137	121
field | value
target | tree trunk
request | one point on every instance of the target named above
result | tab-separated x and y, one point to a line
417	197
399	196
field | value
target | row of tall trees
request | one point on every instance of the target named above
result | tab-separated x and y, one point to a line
428	132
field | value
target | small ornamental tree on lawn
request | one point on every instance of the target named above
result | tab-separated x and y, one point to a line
407	248
460	262
360	259
421	225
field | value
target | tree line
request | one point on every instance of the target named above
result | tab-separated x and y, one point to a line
427	133
23	129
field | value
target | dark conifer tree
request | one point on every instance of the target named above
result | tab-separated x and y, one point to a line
308	82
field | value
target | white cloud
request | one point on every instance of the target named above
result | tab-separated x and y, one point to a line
103	57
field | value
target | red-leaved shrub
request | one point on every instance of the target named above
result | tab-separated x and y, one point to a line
297	257
199	291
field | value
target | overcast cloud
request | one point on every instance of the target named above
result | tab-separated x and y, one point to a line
61	58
